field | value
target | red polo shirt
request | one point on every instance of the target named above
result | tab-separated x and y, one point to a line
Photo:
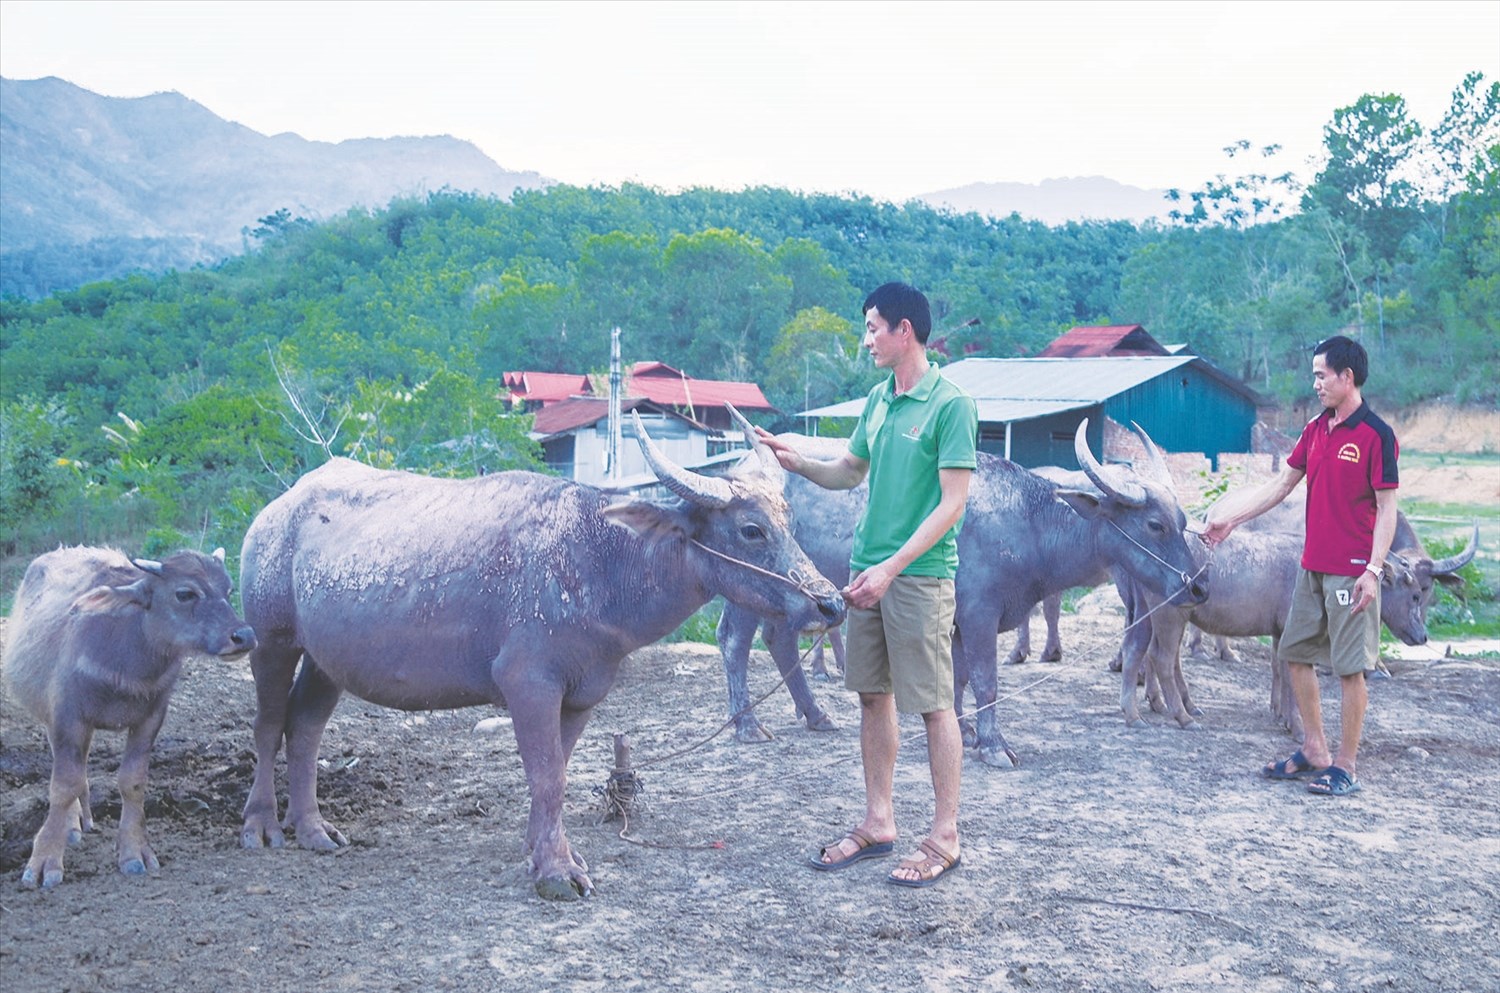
1344	467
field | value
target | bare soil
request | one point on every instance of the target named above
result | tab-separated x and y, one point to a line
1112	859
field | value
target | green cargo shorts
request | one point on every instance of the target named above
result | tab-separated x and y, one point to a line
1320	626
904	645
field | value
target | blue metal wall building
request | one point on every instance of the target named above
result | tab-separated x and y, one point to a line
1029	409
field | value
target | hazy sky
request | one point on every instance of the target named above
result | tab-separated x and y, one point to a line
889	99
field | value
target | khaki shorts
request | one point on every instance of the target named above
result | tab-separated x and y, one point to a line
1320	627
904	645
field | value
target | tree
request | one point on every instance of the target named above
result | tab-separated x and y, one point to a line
521	325
1460	140
815	361
1239	201
618	280
1367	179
450	425
725	300
33	470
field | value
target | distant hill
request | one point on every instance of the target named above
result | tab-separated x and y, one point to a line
1056	201
93	187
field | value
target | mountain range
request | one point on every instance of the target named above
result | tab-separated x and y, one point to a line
94	187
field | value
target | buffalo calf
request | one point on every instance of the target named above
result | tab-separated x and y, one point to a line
97	640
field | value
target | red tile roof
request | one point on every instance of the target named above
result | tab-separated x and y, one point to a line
655	381
1113	340
565	415
577	412
699	393
655	369
547	387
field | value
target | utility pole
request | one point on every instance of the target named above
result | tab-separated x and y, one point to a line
612	447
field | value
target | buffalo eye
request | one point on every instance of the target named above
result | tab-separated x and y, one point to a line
186	596
1156	527
752	532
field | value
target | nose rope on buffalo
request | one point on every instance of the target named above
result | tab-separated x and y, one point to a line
1080	657
795	579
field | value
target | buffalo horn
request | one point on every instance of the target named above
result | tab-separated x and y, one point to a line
1158	465
691	486
1450	565
147	565
761	450
1133	495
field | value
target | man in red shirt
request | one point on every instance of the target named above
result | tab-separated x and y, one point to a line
1349	458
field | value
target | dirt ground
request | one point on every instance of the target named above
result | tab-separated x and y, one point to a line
1112	859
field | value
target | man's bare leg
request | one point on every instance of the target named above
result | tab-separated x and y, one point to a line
945	751
1356	698
1310	706
878	743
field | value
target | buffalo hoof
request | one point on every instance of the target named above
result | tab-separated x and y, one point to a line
562	889
261	832
1188	724
140	867
1051	656
319	836
1016	657
1136	722
970	735
999	758
50	878
752	734
821	722
1196	711
75	837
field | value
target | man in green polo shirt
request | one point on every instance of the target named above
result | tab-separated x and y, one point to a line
915	441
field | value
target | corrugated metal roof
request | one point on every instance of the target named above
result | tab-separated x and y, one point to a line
1090	380
990	410
1022	389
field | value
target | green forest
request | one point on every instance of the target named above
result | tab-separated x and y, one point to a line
167	409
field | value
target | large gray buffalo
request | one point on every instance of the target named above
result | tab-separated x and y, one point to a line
514	589
1022	539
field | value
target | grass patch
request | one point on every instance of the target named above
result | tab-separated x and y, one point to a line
1072	597
700	627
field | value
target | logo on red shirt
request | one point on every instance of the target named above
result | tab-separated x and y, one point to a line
1349	453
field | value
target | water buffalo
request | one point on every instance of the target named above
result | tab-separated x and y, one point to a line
1252	575
1406	584
1022	539
823	524
97	640
513	589
1052	603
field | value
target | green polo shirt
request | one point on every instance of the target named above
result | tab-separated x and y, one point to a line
907	439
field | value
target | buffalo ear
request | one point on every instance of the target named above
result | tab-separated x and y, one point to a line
112	599
1450	580
1086	505
647	520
